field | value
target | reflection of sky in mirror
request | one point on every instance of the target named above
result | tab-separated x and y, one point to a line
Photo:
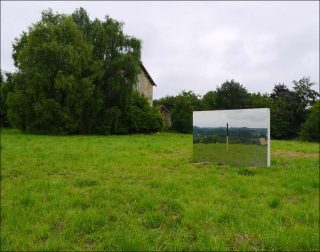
251	118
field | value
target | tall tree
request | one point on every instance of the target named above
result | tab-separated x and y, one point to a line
185	104
290	108
303	88
119	55
51	93
287	113
81	78
6	87
232	95
1	77
280	90
311	128
258	100
209	100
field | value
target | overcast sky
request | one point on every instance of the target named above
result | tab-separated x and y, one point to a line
251	118
198	45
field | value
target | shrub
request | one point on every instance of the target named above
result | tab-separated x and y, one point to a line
142	118
310	129
5	88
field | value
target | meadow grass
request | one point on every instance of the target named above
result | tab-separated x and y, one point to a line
142	192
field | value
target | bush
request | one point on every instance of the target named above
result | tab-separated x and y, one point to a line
142	118
5	88
310	129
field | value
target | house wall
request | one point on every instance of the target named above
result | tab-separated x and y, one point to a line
145	87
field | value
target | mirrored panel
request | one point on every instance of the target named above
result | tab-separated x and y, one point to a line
232	137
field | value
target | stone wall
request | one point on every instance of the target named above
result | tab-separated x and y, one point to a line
144	86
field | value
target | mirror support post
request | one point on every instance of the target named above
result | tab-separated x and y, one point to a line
227	137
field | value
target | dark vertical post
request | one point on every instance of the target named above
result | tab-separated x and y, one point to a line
227	137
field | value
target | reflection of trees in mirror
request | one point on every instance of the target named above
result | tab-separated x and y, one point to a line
237	135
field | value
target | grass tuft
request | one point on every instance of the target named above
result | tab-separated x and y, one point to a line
274	203
246	172
153	220
85	182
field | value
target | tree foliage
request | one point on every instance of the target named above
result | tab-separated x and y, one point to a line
258	100
75	76
168	101
1	77
303	89
143	118
6	87
232	95
209	100
289	108
185	104
55	79
311	127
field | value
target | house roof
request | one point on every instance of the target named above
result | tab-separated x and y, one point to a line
164	108
147	74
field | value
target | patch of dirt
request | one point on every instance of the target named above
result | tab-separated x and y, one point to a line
221	175
292	199
90	244
12	174
246	239
170	170
44	239
293	154
58	226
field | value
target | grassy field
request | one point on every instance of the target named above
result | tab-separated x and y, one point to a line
142	192
237	154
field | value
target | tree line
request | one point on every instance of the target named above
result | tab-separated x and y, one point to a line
294	113
76	76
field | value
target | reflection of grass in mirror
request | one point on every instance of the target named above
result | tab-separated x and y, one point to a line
237	154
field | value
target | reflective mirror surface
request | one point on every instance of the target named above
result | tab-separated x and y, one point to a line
232	137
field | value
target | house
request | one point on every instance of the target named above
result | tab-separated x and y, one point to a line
165	113
145	84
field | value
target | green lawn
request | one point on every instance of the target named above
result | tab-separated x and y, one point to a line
142	192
